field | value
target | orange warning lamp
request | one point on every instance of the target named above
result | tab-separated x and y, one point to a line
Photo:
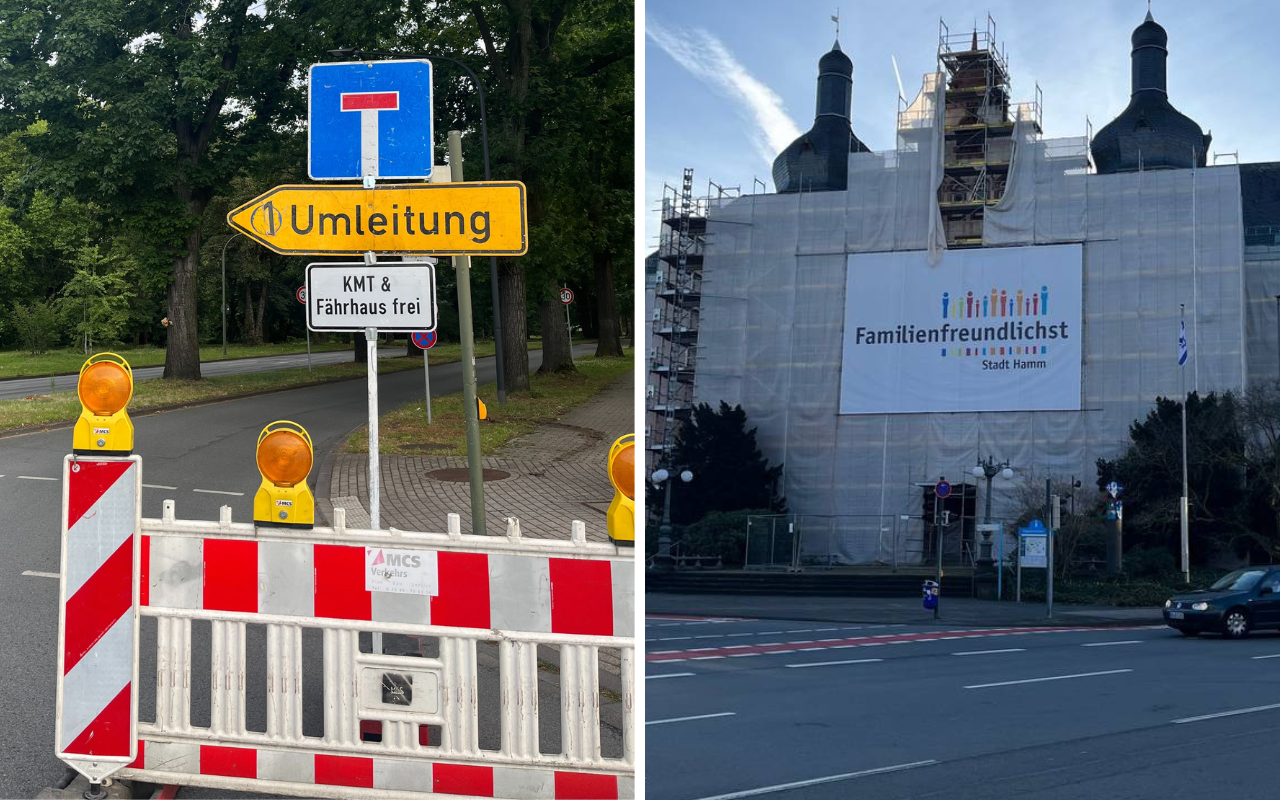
622	474
105	388
285	455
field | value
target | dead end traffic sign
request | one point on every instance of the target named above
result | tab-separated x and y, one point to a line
480	219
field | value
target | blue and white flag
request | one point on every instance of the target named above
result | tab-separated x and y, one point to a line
1182	343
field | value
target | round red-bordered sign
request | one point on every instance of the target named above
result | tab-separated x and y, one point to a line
566	295
301	294
424	340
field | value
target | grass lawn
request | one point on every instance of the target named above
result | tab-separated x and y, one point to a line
405	431
60	406
19	363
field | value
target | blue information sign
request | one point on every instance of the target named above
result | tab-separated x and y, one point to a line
370	118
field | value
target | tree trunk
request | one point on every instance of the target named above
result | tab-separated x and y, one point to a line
182	352
555	334
258	334
515	327
362	355
610	341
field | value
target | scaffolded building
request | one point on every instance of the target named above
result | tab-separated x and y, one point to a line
969	169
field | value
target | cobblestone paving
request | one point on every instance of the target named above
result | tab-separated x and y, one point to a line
557	475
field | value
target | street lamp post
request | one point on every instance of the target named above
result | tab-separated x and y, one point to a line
224	292
989	469
360	55
663	559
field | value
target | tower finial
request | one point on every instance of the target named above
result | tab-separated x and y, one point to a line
1149	17
836	19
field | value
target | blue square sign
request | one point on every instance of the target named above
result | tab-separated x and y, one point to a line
370	119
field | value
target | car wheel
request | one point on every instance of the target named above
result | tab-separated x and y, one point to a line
1188	633
1236	623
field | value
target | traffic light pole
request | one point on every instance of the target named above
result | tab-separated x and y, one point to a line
462	265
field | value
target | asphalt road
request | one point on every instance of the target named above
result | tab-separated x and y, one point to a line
808	711
202	458
24	387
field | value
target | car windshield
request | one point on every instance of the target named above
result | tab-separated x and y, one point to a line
1241	579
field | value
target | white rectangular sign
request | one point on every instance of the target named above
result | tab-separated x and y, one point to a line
389	297
1034	552
984	330
401	571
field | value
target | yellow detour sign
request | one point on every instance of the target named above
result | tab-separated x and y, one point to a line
440	219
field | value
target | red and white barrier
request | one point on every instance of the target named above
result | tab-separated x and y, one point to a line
97	701
515	593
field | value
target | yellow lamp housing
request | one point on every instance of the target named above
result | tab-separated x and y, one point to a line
105	387
622	474
284	456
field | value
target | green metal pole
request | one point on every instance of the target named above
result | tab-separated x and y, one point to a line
462	266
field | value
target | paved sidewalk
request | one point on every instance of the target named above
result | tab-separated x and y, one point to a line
556	474
893	610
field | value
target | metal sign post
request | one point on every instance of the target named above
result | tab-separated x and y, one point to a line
462	265
371	345
301	294
425	340
566	299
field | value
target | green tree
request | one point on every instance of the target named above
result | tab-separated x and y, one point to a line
729	471
1150	471
153	105
95	303
37	325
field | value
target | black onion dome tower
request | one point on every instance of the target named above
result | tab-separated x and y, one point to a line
819	160
1150	133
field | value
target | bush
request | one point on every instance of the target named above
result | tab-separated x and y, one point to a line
37	325
1111	590
1149	562
720	533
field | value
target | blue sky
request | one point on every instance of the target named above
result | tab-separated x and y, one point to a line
728	84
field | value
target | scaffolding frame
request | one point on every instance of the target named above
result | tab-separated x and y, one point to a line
978	126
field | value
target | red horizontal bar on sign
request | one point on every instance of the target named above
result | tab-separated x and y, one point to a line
371	101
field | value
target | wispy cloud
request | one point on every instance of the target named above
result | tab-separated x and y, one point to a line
705	57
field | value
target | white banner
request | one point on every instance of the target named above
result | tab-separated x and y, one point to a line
993	329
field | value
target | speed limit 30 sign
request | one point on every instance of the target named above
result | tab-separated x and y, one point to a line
566	295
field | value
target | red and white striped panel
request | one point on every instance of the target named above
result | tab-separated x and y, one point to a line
97	626
518	593
392	775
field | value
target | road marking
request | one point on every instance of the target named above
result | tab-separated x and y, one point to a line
35	478
689	719
1255	658
1226	714
1109	644
158	486
669	675
990	652
36	574
1051	678
782	787
834	663
213	491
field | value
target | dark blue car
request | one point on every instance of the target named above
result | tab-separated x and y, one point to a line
1237	603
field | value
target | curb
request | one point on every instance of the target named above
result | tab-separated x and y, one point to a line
161	364
865	618
149	410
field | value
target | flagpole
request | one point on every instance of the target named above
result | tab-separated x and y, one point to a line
1183	507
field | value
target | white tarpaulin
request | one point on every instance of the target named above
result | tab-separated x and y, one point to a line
985	330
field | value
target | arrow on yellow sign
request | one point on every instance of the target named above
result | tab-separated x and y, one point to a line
484	219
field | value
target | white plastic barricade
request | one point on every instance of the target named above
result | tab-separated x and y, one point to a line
465	590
